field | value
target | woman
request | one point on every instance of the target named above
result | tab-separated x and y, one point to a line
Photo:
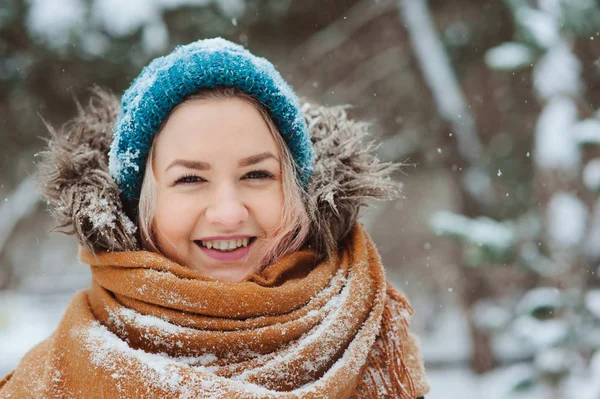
246	274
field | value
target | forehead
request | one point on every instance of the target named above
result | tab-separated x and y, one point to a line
211	128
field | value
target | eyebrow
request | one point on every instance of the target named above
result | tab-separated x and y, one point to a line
199	165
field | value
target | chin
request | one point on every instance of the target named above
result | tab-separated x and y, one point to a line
233	276
229	273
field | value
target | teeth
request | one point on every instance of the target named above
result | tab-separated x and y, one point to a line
227	245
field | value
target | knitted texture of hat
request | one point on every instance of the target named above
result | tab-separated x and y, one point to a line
202	64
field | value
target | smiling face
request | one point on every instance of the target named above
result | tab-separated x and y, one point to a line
218	174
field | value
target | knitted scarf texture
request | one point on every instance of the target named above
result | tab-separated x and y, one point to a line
150	328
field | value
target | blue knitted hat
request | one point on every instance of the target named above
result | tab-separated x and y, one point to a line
202	64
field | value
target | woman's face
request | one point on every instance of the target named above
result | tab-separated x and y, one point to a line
218	185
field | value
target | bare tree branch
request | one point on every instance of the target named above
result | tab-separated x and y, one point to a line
340	30
440	78
363	77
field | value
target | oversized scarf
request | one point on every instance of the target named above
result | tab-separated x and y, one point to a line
150	328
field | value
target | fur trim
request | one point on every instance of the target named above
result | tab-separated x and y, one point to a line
346	174
76	183
86	201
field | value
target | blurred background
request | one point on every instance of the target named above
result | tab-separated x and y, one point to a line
493	105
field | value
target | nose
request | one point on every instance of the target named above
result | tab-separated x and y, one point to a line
226	208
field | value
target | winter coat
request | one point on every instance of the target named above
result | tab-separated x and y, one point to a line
87	203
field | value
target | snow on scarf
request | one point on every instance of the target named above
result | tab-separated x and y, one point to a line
150	328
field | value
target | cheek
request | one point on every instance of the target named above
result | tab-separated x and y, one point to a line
268	210
174	219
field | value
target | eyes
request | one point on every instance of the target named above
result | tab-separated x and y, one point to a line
254	175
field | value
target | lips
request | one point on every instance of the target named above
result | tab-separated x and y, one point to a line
218	244
237	254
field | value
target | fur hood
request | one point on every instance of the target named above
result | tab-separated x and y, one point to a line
86	202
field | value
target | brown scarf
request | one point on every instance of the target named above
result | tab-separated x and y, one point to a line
150	328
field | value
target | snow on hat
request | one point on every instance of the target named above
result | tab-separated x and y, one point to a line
202	64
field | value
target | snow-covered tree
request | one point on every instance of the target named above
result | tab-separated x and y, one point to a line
555	239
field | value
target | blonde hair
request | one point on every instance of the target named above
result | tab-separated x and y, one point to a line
294	226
